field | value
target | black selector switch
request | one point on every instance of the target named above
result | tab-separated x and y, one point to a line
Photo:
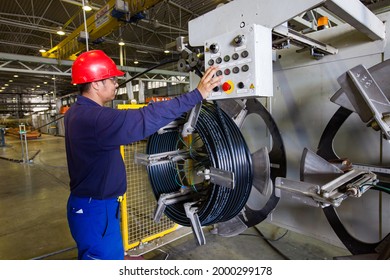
240	85
214	48
239	40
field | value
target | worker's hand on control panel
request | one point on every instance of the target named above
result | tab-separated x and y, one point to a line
209	81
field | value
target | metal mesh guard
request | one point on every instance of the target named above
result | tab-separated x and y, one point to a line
140	201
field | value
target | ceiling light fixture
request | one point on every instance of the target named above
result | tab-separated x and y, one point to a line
60	31
42	50
136	62
166	51
86	6
121	42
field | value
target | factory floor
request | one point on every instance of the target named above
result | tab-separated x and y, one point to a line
33	223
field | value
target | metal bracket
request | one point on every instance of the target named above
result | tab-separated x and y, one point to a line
374	98
190	124
169	199
191	213
169	127
218	176
304	41
152	159
367	99
351	184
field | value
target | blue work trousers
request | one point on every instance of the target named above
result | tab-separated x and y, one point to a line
94	225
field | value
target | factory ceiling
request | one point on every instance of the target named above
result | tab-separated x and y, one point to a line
27	26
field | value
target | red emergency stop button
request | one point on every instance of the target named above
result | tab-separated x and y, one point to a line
226	86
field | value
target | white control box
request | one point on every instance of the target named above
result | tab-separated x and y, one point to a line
244	58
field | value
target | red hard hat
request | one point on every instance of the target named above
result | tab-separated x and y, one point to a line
93	66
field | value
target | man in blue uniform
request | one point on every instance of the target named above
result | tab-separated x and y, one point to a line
93	135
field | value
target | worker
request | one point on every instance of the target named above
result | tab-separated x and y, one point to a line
93	135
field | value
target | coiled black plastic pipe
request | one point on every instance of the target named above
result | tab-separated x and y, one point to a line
226	149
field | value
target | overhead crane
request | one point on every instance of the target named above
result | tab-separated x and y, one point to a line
110	17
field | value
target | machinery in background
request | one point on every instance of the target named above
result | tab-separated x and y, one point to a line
326	179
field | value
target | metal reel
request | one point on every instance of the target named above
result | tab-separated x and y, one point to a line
325	150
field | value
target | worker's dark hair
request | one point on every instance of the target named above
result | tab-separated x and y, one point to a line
84	87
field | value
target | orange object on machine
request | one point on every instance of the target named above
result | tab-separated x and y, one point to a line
322	23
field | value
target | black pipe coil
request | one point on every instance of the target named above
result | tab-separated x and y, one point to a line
226	149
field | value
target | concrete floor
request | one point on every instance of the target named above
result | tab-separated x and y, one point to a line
33	221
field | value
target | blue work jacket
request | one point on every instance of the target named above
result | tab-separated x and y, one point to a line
94	133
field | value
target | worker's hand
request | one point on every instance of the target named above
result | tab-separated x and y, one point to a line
209	81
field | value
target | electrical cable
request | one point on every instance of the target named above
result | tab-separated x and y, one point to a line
163	62
46	124
270	244
20	160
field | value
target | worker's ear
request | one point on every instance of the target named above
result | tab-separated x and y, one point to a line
95	85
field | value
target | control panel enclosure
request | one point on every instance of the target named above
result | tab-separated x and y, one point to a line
244	58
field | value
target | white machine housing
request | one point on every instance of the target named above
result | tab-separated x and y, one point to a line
244	58
300	104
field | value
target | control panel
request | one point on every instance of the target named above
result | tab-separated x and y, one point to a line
244	58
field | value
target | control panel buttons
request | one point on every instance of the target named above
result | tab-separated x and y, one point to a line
245	68
235	56
239	40
244	54
214	48
226	86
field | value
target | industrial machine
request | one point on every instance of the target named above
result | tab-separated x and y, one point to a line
232	161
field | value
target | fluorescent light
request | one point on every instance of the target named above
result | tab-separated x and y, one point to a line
121	42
